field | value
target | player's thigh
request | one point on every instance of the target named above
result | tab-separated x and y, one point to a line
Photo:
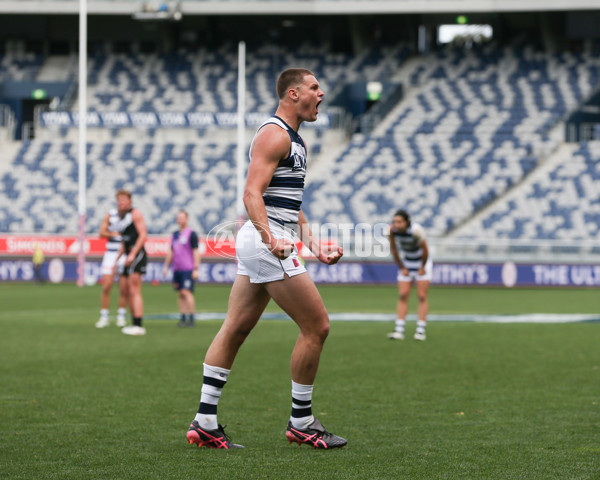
134	283
299	298
123	285
107	281
422	288
247	302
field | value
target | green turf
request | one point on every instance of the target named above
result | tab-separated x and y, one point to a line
347	298
475	401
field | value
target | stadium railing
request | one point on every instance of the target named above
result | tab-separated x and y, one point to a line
502	250
483	250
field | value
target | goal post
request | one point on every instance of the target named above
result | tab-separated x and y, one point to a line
82	166
241	128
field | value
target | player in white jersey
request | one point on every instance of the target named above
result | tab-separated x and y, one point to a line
109	229
268	267
411	253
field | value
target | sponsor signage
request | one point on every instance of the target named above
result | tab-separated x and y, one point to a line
161	119
68	246
62	269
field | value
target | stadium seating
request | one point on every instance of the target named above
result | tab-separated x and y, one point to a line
202	81
41	188
194	167
562	202
206	80
19	66
474	124
173	169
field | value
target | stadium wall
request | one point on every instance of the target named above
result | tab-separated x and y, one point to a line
59	270
218	266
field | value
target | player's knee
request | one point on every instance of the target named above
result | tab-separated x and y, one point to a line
325	332
317	330
240	334
422	298
322	330
403	297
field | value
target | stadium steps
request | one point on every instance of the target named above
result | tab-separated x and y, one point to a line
410	94
405	71
560	151
56	68
8	152
334	142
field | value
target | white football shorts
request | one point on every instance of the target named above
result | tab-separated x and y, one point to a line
108	262
413	275
257	262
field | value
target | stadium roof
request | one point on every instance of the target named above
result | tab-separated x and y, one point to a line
307	7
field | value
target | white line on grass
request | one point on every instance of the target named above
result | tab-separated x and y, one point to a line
387	317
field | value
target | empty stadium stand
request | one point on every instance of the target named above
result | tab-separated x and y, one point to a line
474	128
19	66
171	170
474	125
559	201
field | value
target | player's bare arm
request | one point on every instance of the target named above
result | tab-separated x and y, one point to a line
140	226
329	255
396	255
168	260
119	254
104	231
197	260
270	146
422	242
425	257
394	250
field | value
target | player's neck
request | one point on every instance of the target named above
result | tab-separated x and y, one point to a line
288	117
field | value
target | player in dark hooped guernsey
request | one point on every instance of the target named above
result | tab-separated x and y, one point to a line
133	237
411	253
268	267
109	229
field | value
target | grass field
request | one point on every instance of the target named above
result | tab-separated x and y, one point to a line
475	401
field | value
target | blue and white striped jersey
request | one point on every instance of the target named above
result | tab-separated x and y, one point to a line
409	244
283	196
114	243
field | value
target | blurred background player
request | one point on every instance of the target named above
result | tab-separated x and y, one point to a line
186	259
109	229
133	236
410	251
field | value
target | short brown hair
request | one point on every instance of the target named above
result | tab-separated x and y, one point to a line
291	77
127	193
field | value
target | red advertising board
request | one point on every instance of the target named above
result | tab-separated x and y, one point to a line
68	246
156	246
